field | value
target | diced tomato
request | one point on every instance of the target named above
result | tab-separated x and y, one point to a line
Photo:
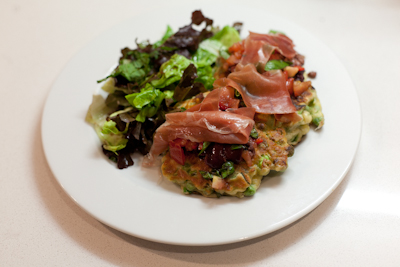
259	141
181	142
300	68
190	146
176	152
236	47
232	60
223	106
238	55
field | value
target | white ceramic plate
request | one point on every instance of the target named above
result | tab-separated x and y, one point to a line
138	201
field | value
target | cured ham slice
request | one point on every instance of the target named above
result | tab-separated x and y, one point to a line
266	92
205	122
259	47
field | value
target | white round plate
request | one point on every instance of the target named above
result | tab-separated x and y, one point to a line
138	201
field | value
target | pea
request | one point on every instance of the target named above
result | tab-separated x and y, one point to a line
250	191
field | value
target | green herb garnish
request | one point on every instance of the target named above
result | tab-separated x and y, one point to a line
234	147
206	175
205	145
254	133
276	65
227	169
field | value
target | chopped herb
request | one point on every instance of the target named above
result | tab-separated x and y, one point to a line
234	147
276	65
185	191
192	173
205	145
237	94
183	109
254	133
186	167
227	169
206	175
189	186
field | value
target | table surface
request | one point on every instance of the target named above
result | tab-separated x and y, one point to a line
357	225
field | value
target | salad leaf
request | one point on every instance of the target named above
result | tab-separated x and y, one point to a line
227	36
171	71
208	52
147	112
112	139
187	38
133	70
198	18
113	142
110	127
148	101
187	86
168	33
168	94
218	45
146	96
98	111
276	65
205	76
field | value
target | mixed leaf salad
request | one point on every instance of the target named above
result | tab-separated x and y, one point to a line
151	80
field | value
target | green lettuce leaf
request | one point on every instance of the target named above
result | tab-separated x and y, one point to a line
168	33
133	70
148	101
111	138
171	71
208	52
227	36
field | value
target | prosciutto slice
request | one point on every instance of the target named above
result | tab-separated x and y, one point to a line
266	92
205	122
259	47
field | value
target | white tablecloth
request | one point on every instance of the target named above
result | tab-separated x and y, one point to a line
357	225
